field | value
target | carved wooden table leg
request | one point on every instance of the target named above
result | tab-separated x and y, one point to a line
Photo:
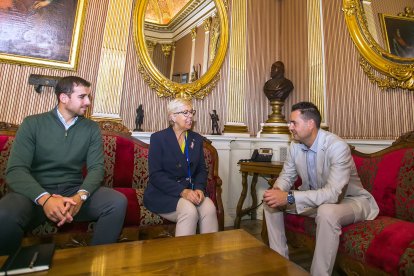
254	197
241	201
255	168
240	212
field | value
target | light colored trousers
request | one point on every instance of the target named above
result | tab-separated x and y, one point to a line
329	220
188	215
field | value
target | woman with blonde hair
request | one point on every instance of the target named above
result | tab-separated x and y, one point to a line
178	175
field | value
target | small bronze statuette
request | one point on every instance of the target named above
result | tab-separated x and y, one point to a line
214	123
139	119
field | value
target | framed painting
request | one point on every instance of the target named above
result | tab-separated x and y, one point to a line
398	34
45	33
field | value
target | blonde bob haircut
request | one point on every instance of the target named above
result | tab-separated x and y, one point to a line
176	106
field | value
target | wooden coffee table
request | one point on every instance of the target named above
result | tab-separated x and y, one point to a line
232	252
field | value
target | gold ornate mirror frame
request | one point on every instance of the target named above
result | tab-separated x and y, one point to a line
384	69
162	85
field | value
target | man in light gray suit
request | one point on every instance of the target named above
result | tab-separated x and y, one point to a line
331	190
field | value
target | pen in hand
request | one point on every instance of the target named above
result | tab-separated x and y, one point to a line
32	262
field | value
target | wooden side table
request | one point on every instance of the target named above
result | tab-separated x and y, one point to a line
271	169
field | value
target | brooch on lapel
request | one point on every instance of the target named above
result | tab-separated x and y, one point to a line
192	144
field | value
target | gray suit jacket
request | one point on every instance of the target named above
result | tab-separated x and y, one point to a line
336	172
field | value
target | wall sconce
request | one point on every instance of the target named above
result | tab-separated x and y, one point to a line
40	81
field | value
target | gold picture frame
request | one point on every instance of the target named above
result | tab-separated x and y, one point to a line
41	33
398	32
163	86
386	70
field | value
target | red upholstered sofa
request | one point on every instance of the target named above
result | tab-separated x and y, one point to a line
126	170
384	246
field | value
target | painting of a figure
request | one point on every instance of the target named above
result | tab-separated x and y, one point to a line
43	32
399	35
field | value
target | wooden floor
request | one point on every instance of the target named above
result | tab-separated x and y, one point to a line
299	256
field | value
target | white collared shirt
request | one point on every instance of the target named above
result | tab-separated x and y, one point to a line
67	125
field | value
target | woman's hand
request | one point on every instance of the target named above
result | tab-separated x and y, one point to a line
196	197
200	194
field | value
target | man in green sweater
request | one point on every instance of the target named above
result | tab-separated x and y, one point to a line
44	172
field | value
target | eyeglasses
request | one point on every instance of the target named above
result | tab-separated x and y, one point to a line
186	113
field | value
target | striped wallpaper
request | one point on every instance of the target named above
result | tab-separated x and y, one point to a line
276	30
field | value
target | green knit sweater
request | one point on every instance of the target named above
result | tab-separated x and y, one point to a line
47	158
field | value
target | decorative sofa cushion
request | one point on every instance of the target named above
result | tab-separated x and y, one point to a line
148	217
134	165
132	216
389	178
5	147
386	243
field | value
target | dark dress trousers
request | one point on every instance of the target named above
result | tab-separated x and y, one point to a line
168	170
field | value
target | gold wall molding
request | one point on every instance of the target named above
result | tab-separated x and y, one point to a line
109	86
166	49
207	24
151	46
214	38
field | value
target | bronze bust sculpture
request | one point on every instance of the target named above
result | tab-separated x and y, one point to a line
278	87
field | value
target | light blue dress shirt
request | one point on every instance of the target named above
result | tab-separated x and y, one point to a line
311	163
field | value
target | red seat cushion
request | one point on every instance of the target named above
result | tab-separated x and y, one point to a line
386	243
5	147
389	178
132	216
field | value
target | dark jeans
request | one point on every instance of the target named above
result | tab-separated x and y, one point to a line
18	213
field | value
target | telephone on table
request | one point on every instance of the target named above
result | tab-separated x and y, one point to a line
260	155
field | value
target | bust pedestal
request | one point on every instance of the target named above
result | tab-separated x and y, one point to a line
276	123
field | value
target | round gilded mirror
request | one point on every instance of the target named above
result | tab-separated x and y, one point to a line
181	45
383	32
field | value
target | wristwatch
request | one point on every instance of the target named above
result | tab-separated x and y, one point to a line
83	195
290	198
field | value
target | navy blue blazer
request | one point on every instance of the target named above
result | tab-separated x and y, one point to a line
168	170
